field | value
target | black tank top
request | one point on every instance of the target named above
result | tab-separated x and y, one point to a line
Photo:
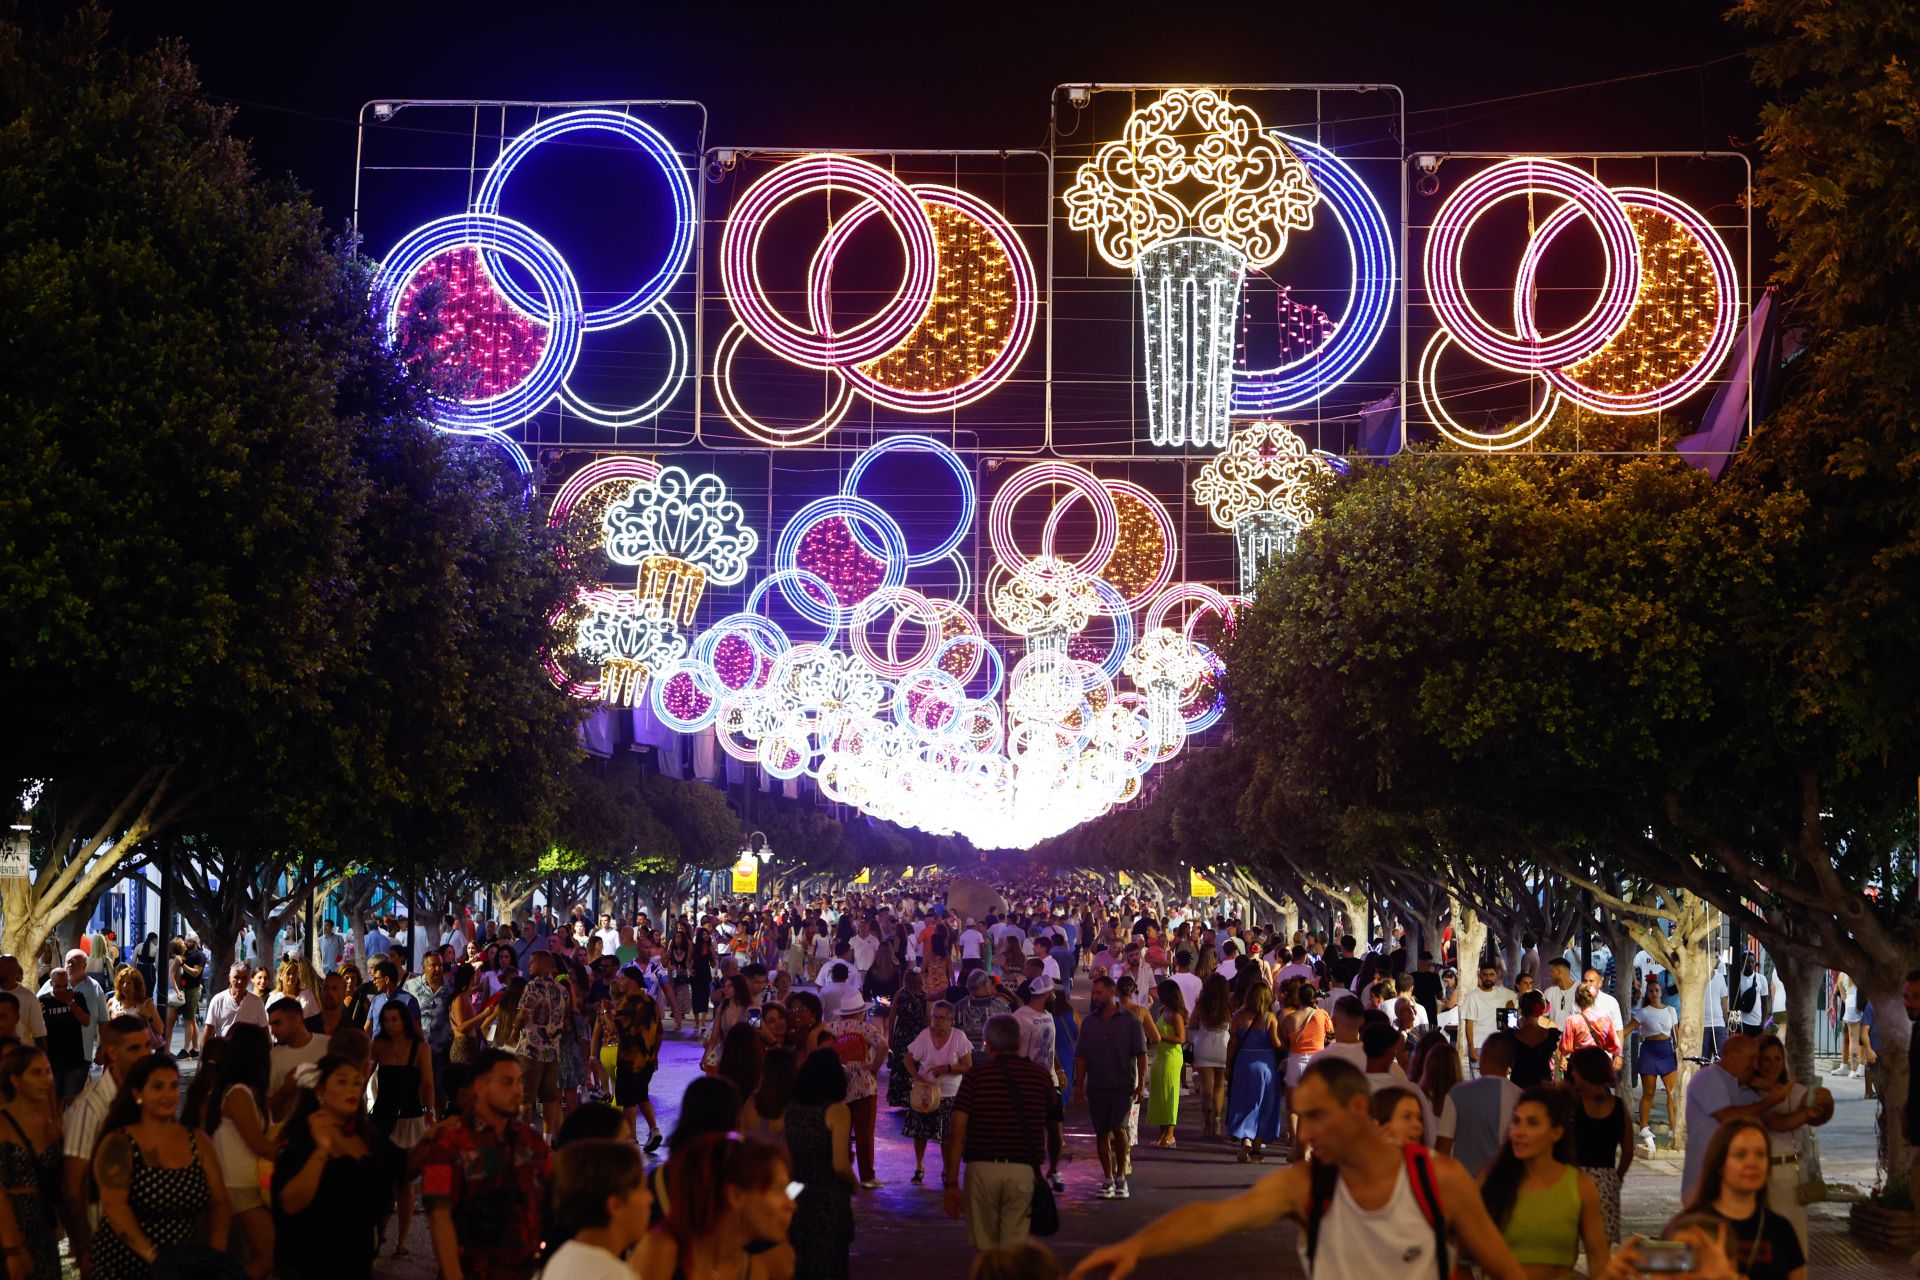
1596	1143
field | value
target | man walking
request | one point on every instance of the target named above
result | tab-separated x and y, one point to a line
542	1018
994	1130
1474	1118
1480	1010
329	947
235	1005
1110	1071
484	1177
1358	1198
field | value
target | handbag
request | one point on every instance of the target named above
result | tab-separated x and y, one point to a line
925	1097
1043	1212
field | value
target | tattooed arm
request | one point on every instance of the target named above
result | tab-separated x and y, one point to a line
113	1171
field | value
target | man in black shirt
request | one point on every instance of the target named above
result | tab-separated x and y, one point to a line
1344	966
1427	991
66	1014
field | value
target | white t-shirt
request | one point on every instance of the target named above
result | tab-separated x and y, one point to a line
1189	985
1229	967
1716	1016
1480	1007
576	1261
1605	1006
285	1058
1355	1053
1656	1020
1051	968
864	949
33	1023
1560	1004
971	940
957	1047
1786	1142
1758	1014
224	1013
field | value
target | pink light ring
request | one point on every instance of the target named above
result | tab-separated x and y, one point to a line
585	690
901	601
1446	283
590	477
1082	482
1210	715
1183	593
1026	294
963	584
1169	540
1726	311
740	241
806	578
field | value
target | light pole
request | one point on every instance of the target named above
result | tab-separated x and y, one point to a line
763	850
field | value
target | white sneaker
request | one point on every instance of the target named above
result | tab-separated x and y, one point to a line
1106	1191
1122	1191
1860	1071
1646	1137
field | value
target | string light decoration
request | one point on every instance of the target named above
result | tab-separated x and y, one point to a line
955	329
477	344
1664	322
629	639
681	530
1304	327
1258	487
1194	192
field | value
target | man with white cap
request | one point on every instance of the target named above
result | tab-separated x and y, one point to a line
1036	1025
861	1049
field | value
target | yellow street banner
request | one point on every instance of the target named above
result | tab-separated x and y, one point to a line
1126	881
906	873
865	876
1198	886
746	875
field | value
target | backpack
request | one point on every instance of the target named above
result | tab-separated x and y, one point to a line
1325	1177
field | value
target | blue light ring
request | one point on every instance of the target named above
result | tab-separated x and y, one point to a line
849	509
806	577
656	147
557	357
1370	298
917	444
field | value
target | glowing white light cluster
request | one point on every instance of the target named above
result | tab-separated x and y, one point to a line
896	702
1258	488
1194	192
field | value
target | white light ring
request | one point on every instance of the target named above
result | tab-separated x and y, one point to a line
1123	629
1446	283
997	370
1370	292
1181	593
969	504
954	697
781	758
1026	481
902	601
1726	306
1459	433
778	437
963	585
678	361
558	354
1155	508
740	240
656	148
692	669
806	577
893	571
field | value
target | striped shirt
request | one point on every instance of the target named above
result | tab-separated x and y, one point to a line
996	1097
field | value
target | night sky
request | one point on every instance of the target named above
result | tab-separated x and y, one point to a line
957	76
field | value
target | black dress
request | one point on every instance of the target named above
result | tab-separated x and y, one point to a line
169	1205
336	1234
822	1229
1533	1064
702	976
32	1185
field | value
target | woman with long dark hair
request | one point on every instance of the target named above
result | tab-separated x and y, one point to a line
402	1093
910	1018
1659	1063
1163	1075
1545	1207
740	1057
700	962
160	1186
600	1208
334	1179
764	1114
359	995
729	1194
819	1130
736	1004
30	1166
469	1012
1538	1043
1602	1130
227	1102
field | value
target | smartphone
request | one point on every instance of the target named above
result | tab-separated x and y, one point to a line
1506	1019
1665	1257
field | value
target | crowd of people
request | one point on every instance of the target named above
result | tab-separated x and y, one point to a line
501	1084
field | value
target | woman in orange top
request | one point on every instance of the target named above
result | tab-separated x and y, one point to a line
1305	1026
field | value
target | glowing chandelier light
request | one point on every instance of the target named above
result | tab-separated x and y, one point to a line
1190	252
954	330
682	530
1258	487
509	350
1664	321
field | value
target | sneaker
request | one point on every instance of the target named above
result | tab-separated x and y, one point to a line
1107	1191
1057	1182
653	1142
1860	1071
1122	1191
871	1184
1646	1137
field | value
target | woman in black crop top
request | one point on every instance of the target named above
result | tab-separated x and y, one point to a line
1602	1130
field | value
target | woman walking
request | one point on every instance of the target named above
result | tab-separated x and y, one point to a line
1538	1043
1212	1020
1254	1090
402	1095
30	1166
1786	1127
700	978
1163	1072
1546	1209
937	1058
910	1018
333	1181
1659	1064
160	1186
1602	1130
228	1103
819	1128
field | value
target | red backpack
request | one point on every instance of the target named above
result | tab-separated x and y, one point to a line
1324	1178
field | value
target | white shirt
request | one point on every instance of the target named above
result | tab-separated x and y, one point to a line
33	1023
1355	1053
1605	1006
457	939
1051	968
576	1261
1480	1007
1656	1020
971	940
285	1058
864	950
609	941
1716	1014
957	1047
1189	985
1229	967
1297	970
1560	1004
329	952
84	1117
224	1013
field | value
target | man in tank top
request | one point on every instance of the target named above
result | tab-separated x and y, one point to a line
1368	1216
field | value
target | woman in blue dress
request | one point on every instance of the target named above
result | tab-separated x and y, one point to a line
1255	1099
